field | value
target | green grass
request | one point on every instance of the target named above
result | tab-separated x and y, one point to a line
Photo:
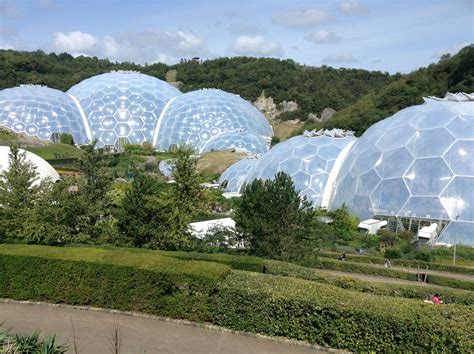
6	135
56	151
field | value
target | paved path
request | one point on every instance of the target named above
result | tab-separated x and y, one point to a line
138	333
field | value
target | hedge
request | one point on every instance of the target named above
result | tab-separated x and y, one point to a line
450	296
352	267
120	279
249	263
413	263
154	282
327	315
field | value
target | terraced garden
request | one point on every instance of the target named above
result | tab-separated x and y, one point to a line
336	309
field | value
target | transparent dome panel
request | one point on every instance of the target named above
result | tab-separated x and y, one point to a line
422	157
123	105
234	177
198	116
307	159
42	112
239	140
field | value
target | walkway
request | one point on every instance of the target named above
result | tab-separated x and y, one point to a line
94	330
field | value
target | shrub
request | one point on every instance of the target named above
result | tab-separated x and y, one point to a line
450	296
327	315
65	138
392	253
125	279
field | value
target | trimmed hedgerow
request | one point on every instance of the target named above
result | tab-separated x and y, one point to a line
252	264
119	279
327	315
351	267
399	262
450	296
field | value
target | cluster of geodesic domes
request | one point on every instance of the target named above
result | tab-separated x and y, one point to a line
125	107
416	166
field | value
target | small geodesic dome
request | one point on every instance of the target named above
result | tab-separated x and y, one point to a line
42	112
123	106
239	140
308	159
43	168
234	177
416	166
197	117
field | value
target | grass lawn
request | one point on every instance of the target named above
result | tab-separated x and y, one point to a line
56	151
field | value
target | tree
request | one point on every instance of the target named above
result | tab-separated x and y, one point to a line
20	187
93	187
186	196
65	138
272	218
141	215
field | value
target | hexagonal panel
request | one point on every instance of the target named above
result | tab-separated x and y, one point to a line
424	207
428	176
460	157
458	199
393	163
430	143
389	197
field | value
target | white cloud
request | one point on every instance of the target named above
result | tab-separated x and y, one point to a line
301	18
340	58
351	7
242	28
255	45
140	47
7	10
323	37
75	42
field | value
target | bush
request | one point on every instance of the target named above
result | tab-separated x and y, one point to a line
450	296
392	253
125	279
327	315
67	139
29	343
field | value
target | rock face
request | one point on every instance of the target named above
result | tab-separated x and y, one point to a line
267	106
326	114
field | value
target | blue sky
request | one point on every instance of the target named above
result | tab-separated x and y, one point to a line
377	35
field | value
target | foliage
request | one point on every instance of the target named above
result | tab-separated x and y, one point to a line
450	296
55	151
453	74
125	279
29	343
271	218
65	138
334	317
142	213
20	186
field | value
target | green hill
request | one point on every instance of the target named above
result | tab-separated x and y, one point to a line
453	74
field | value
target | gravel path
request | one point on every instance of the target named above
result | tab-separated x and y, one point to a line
137	333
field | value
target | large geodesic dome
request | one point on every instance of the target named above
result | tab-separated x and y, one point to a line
42	112
235	176
196	117
416	167
43	168
308	159
123	106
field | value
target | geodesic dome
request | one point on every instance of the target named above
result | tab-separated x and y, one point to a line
308	159
239	140
198	116
42	112
166	168
234	177
43	168
418	163
123	106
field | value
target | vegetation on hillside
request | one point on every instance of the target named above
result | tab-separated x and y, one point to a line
453	74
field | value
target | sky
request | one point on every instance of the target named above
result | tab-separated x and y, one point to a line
392	36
